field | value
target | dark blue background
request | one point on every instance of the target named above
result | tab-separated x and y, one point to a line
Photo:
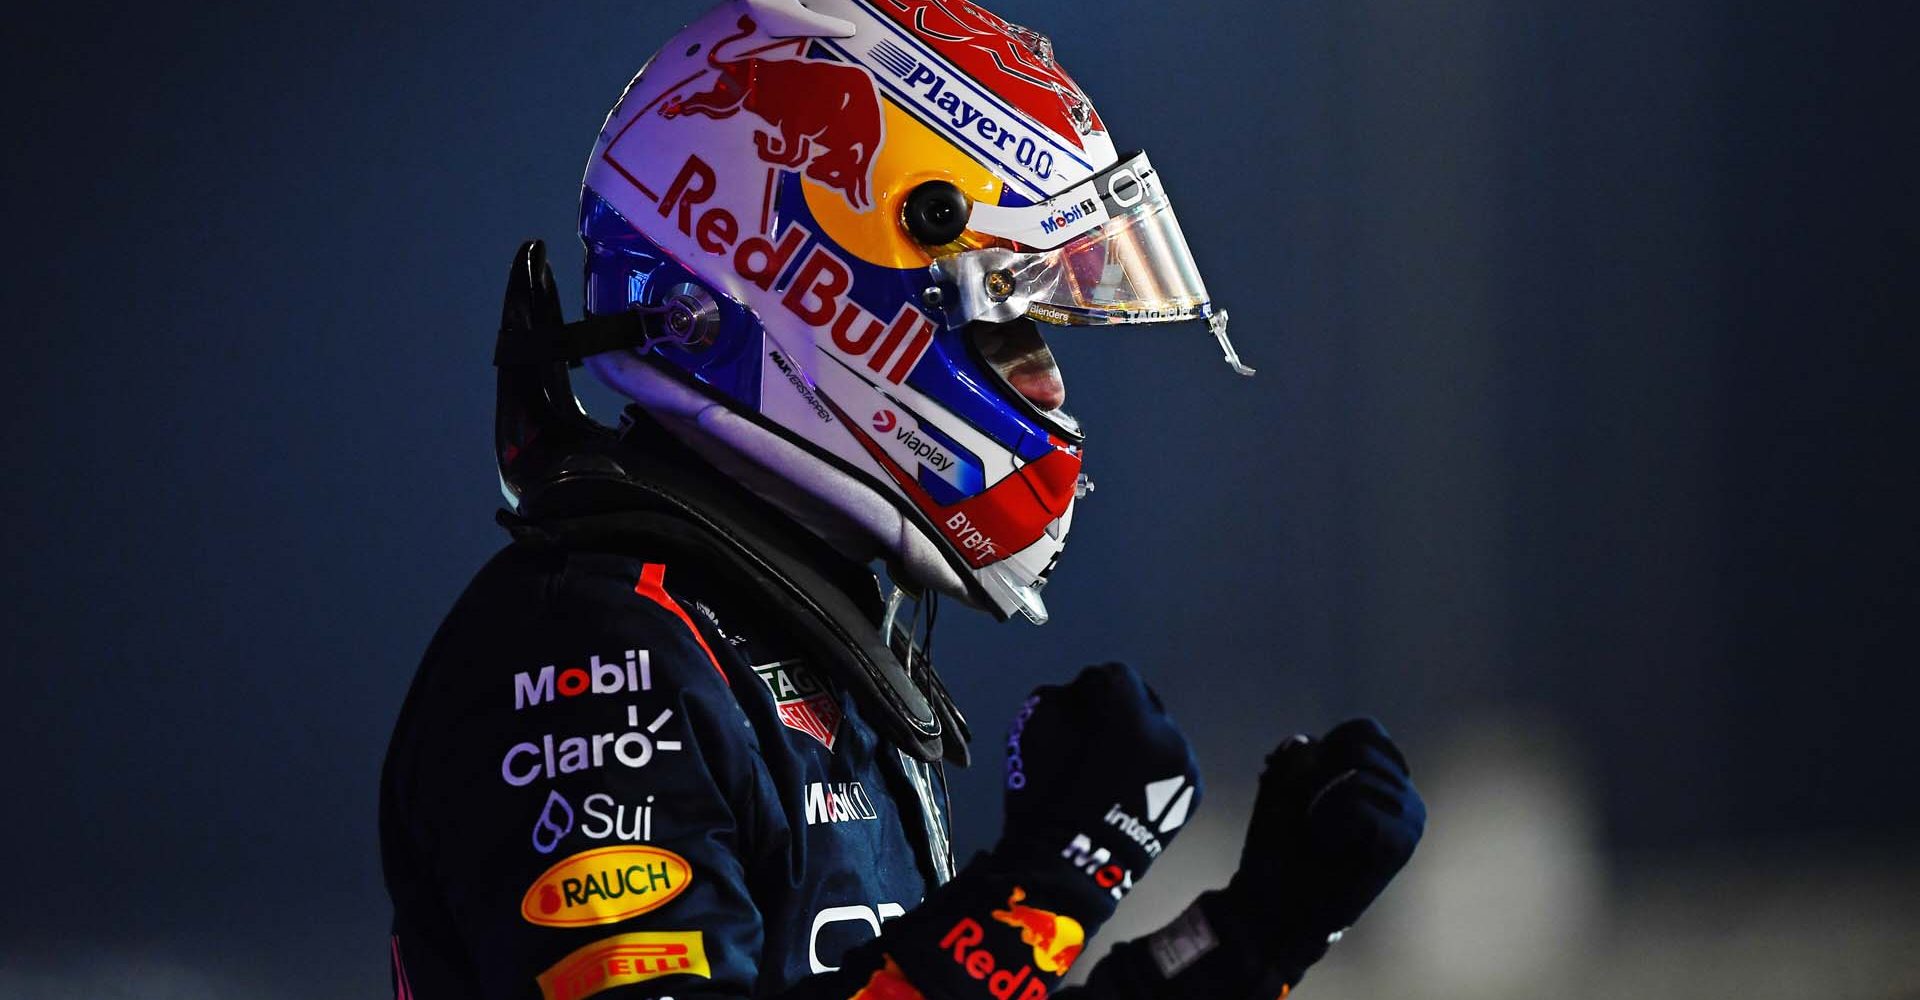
1583	336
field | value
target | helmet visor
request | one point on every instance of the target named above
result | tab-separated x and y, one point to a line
1107	251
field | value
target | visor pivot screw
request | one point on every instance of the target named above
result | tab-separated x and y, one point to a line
692	316
933	297
999	284
935	213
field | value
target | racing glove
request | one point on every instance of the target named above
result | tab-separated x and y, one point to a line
1098	782
1334	821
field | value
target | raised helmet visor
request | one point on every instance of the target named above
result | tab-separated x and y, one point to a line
1107	251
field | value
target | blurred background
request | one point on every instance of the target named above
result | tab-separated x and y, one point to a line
1581	453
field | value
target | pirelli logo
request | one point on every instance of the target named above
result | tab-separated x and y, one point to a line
623	960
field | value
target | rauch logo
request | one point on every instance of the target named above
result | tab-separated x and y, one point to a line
605	886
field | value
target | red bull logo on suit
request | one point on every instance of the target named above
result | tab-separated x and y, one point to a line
1055	940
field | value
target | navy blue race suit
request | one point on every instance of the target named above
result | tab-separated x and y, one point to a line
580	701
623	771
664	746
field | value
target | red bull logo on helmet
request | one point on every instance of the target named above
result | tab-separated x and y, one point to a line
819	291
823	117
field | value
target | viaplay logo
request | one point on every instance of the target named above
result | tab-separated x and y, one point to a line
913	444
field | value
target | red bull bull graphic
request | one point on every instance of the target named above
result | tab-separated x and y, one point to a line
1056	940
822	116
888	983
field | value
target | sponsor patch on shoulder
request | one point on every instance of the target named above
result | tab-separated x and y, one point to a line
605	886
805	702
623	960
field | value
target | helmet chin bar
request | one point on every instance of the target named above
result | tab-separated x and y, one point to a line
799	485
985	285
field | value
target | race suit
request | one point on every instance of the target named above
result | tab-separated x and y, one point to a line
615	776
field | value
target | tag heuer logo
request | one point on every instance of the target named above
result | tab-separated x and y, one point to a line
804	702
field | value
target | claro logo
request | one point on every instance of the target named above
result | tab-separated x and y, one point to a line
605	886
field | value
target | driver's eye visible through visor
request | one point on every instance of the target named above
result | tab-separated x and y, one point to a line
1109	251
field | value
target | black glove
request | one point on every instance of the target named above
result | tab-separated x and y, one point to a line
1098	779
1334	822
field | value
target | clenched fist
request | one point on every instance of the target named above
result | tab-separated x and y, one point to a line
1098	778
1335	820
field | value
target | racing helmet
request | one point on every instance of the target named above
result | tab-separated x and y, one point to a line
848	218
